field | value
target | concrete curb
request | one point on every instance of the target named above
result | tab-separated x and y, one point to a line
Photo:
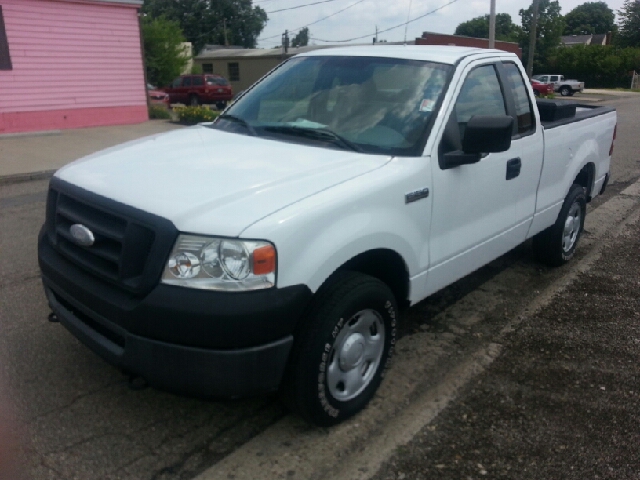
26	177
41	133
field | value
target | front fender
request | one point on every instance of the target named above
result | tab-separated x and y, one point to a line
317	235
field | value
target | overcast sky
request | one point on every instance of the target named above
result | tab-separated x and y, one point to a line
362	18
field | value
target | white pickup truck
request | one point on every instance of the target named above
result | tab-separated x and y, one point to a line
273	248
563	86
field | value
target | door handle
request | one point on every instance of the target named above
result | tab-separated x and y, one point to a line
513	168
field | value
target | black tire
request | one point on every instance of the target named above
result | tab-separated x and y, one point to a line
565	91
556	245
352	317
221	105
536	93
194	101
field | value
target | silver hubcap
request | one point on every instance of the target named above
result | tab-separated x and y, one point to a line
355	355
571	227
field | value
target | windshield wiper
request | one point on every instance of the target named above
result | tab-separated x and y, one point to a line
322	134
236	119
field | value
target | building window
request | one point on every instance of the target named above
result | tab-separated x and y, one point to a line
234	71
5	58
207	68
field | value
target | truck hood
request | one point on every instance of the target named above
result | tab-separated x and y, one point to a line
211	182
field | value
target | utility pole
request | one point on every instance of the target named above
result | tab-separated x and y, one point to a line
285	41
224	23
492	25
375	40
532	38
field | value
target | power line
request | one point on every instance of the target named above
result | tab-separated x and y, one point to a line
301	6
317	21
387	29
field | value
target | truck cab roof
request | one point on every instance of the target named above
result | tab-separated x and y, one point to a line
435	53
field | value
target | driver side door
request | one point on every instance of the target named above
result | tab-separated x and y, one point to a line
473	212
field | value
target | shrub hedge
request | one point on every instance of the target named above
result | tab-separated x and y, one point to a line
193	115
598	66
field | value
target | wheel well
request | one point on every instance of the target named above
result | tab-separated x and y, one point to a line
388	267
585	178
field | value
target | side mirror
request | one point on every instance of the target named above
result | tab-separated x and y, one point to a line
483	134
488	134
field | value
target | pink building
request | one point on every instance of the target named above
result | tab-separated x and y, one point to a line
70	64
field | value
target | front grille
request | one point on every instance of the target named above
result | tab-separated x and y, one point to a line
123	246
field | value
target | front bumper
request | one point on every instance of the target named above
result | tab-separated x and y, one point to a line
198	342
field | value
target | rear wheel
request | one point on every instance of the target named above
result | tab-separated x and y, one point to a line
221	105
536	93
194	101
557	244
565	91
342	349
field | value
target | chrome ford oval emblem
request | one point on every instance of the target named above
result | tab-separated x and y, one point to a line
82	235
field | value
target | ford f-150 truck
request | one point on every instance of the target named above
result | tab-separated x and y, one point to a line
273	248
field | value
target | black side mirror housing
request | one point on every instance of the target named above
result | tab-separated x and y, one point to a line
483	134
488	134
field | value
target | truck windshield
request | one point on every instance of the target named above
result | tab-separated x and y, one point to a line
367	104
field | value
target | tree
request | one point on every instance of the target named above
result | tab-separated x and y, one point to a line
589	18
629	33
478	27
163	51
301	39
548	33
233	22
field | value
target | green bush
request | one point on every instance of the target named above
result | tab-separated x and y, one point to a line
597	66
158	112
193	115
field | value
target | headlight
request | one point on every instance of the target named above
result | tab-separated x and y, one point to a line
221	264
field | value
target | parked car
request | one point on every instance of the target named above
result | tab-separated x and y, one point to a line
156	96
199	89
565	87
274	247
540	88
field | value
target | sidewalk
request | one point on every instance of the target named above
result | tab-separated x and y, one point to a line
26	156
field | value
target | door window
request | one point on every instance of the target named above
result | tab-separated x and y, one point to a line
177	82
198	81
186	82
480	95
524	113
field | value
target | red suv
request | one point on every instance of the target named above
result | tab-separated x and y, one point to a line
197	89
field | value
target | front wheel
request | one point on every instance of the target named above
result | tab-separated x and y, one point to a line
557	244
342	350
565	92
194	101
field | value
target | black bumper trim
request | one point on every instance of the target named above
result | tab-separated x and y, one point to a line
190	370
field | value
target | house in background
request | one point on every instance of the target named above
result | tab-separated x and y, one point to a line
244	66
70	64
596	39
